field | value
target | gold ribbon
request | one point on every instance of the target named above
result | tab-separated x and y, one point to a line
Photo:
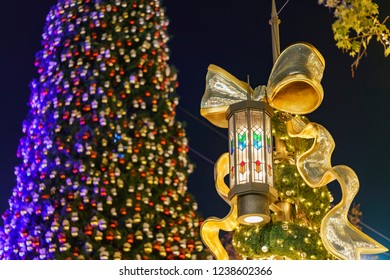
339	236
211	227
293	86
222	90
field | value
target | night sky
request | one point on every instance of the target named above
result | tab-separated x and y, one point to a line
234	35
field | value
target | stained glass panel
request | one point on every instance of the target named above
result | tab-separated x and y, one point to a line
269	155
258	159
241	160
232	152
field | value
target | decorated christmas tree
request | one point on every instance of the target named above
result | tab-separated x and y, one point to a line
104	161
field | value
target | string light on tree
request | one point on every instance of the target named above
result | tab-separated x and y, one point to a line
105	166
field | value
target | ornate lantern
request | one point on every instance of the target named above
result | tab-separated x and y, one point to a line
250	160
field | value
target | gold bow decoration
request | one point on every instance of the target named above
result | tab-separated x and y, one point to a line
339	236
211	227
293	87
222	90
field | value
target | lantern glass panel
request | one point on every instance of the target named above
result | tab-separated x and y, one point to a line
258	147
269	150
241	162
232	150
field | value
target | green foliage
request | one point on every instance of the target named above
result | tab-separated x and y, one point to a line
284	240
296	145
357	22
312	203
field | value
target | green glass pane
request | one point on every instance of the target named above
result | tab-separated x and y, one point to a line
256	136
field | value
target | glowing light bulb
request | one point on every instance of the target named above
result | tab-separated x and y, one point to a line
253	219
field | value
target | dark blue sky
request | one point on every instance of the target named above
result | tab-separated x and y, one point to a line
234	35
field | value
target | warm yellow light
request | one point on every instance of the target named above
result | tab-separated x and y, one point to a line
253	219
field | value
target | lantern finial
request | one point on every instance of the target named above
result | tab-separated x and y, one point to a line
248	91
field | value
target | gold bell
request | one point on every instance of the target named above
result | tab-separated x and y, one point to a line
294	84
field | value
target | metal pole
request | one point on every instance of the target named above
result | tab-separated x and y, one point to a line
274	22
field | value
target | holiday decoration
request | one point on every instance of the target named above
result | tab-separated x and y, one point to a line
299	228
104	161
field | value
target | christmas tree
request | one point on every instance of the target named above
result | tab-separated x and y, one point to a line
104	161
